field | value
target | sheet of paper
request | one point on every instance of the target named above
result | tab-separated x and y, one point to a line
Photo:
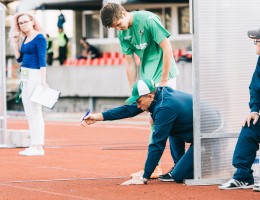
133	181
45	96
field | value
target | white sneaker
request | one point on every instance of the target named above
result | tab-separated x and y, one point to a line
257	187
32	151
234	184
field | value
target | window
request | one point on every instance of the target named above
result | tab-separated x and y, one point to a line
95	30
156	11
184	20
92	25
168	19
165	16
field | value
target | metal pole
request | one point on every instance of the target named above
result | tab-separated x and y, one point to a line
2	76
194	29
196	90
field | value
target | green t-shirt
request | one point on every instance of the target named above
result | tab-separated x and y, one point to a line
143	39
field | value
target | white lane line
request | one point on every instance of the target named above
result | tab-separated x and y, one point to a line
104	125
55	168
64	179
43	191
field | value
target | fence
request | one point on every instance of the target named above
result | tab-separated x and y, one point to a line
223	63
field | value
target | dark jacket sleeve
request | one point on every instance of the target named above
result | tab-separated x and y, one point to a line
163	121
254	89
122	112
66	38
254	103
49	45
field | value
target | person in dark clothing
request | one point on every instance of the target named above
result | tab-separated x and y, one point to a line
49	49
88	51
63	42
172	113
249	138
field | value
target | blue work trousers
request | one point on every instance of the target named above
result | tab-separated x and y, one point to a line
184	168
245	152
177	146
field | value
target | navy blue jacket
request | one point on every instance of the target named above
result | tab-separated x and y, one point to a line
172	114
254	88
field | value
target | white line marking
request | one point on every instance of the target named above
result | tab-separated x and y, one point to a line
64	179
99	125
43	191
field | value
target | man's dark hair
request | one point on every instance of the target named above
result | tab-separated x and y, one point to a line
85	40
110	13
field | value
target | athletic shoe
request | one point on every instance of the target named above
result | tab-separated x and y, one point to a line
32	151
257	187
156	173
167	177
234	184
167	174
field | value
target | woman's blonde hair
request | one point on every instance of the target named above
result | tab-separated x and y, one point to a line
15	27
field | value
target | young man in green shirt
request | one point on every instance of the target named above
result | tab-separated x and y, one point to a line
142	33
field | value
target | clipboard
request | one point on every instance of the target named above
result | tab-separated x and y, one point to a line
45	96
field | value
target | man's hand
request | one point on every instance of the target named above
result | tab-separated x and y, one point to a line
88	120
252	116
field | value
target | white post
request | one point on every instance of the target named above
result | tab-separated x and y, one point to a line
2	77
196	91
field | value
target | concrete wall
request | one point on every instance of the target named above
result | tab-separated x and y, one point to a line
102	81
98	87
95	87
89	81
184	79
81	104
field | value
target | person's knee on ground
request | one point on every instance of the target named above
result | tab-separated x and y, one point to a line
184	168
